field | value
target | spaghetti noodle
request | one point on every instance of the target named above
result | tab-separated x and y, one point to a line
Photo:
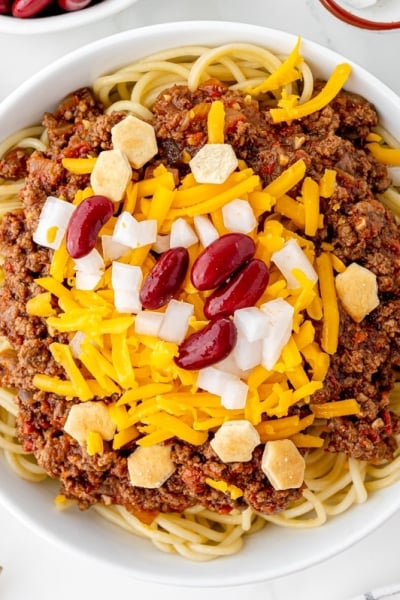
333	481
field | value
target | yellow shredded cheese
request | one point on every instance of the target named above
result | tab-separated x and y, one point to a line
373	137
287	179
100	368
94	443
192	195
216	123
384	154
79	166
330	326
60	499
55	287
286	73
224	487
243	187
310	195
285	427
327	183
288	112
306	440
121	438
61	266
338	408
62	354
147	187
176	428
291	208
40	305
63	387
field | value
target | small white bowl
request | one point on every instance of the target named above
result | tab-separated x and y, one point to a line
275	551
67	20
382	15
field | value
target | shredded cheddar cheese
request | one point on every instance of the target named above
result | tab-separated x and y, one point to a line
94	443
338	408
155	400
222	486
40	305
292	110
327	183
330	328
79	166
249	184
283	75
310	194
287	179
216	122
384	154
62	354
306	440
291	208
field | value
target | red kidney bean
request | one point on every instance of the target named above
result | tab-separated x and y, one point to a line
28	8
242	290
70	5
85	224
5	7
218	261
165	278
207	346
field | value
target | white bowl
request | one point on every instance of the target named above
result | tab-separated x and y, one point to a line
274	551
67	20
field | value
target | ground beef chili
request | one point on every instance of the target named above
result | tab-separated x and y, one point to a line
353	221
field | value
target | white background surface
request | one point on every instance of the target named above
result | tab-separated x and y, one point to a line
34	568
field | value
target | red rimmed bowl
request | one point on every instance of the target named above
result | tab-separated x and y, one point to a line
384	15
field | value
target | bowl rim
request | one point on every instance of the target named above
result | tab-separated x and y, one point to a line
147	563
67	20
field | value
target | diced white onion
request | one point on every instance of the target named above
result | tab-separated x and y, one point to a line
126	230
238	216
90	263
205	230
132	233
214	380
162	243
280	317
229	365
182	234
75	343
87	280
147	232
234	395
89	270
112	249
251	322
176	321
290	257
126	281
232	390
247	354
126	277
127	301
148	322
55	214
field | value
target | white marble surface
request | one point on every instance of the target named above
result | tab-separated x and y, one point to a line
33	567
